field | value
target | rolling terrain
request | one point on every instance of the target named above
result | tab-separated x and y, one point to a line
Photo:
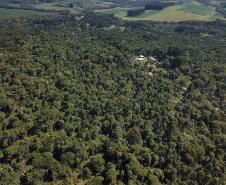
176	10
112	92
9	13
187	10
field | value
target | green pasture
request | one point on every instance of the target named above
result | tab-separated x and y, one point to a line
56	7
185	11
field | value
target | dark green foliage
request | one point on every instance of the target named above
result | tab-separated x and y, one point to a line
158	5
75	108
134	13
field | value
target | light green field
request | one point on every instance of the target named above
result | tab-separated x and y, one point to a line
7	13
96	4
56	7
117	11
188	10
184	13
92	4
184	10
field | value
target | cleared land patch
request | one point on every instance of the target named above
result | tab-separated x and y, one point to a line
56	7
180	13
185	11
177	10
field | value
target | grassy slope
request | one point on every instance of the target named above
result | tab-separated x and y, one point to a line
63	6
188	10
56	7
185	12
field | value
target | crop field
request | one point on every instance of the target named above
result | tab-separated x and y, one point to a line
7	13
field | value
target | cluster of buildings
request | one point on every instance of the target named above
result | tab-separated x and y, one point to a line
146	58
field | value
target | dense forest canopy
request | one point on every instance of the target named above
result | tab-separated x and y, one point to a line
76	108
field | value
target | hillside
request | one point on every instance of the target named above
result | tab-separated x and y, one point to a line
177	11
76	108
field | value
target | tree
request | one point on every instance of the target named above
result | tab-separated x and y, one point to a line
111	174
97	164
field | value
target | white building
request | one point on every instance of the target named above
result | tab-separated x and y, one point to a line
144	58
152	58
141	58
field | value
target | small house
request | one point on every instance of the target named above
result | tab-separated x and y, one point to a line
141	58
144	58
152	58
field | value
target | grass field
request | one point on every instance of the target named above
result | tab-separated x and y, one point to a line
64	6
187	10
184	10
56	7
7	13
115	11
184	13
